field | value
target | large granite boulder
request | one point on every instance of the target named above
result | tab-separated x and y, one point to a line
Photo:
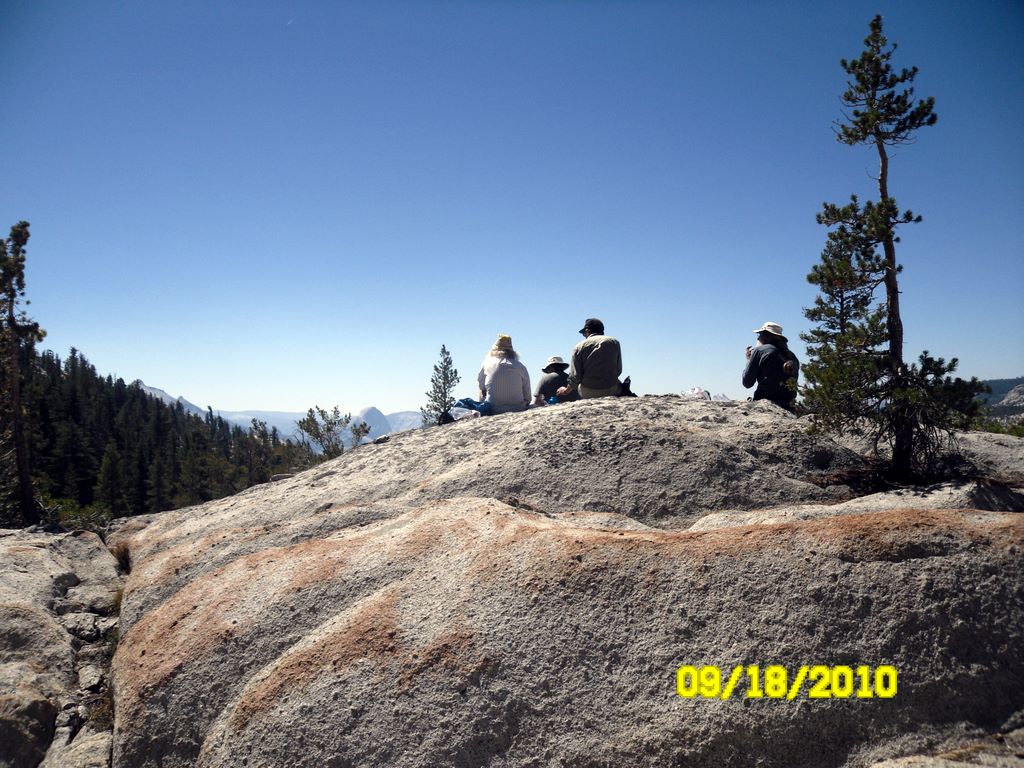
59	595
521	591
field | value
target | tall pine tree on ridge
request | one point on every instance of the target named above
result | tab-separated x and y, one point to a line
858	379
19	334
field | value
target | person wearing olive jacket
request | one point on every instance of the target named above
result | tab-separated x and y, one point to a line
596	364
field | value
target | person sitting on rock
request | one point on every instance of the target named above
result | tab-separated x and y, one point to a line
554	378
503	379
596	364
773	367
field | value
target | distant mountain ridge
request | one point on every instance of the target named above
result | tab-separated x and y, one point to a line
285	421
402	421
1014	398
170	399
1006	399
1000	389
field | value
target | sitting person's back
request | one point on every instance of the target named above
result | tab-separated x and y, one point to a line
773	367
504	381
596	363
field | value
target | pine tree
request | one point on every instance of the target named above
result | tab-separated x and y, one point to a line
110	485
359	430
258	451
856	374
10	507
442	386
73	466
844	361
327	430
16	332
158	486
193	488
168	458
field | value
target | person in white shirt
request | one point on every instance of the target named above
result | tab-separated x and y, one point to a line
503	379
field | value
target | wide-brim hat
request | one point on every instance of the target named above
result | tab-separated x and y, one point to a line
503	343
773	328
554	363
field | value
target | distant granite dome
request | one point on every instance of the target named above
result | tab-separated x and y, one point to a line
1014	398
401	421
375	420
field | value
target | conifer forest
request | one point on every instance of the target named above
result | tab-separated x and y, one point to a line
101	448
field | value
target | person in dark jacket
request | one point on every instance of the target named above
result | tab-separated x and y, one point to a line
773	367
554	378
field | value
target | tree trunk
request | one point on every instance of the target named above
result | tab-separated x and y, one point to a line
903	450
26	499
892	288
903	434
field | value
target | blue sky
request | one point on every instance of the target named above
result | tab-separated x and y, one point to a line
271	205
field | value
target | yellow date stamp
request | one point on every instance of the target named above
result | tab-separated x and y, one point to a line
775	681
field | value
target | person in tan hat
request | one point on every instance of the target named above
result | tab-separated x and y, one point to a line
773	367
554	378
503	379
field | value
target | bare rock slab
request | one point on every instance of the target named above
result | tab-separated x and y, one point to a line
660	461
998	751
521	590
48	584
468	632
89	750
986	495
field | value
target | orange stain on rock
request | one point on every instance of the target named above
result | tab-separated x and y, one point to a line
371	632
191	623
502	545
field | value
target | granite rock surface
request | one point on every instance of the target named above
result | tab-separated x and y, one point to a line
59	595
521	591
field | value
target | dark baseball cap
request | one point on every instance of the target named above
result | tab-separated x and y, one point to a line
593	325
